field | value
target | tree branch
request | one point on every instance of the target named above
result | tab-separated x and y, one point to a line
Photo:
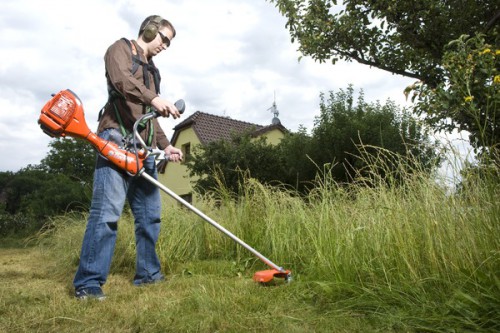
364	61
491	22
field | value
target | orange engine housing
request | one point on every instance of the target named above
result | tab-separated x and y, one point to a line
63	115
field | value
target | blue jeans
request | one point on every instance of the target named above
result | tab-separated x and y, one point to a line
111	188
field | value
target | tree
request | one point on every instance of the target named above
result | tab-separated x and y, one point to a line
298	169
426	40
230	161
60	183
346	133
35	193
20	184
469	99
343	131
72	157
402	37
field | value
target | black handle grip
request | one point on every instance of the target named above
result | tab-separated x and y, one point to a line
180	105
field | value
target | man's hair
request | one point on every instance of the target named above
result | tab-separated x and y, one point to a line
153	19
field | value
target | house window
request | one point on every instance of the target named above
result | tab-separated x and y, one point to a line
186	151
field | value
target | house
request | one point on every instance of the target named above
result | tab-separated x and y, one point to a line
201	128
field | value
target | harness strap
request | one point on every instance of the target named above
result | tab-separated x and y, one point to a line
146	67
113	94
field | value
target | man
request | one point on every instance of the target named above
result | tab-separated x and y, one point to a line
133	85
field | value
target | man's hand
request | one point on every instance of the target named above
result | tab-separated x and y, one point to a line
173	154
165	108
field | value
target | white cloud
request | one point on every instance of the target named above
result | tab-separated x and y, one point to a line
230	57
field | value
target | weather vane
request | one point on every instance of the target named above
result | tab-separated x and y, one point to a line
274	111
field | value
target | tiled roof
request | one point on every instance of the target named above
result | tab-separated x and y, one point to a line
209	127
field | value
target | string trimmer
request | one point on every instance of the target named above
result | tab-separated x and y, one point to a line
63	115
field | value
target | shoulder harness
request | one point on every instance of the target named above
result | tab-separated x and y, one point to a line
113	94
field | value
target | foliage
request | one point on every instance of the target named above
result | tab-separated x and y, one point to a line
37	194
227	162
11	224
21	184
457	79
345	129
72	157
342	133
298	170
470	98
402	37
484	173
61	183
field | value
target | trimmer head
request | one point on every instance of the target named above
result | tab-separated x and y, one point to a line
268	275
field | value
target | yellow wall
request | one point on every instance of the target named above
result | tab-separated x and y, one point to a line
274	137
176	174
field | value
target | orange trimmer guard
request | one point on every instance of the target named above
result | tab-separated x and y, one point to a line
270	274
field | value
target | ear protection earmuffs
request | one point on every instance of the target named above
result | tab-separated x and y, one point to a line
151	28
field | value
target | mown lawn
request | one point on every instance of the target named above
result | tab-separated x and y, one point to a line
32	299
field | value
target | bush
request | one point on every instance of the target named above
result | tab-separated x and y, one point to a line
16	224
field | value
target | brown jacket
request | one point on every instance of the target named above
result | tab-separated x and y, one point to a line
118	64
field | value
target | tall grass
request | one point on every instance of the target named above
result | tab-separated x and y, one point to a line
405	250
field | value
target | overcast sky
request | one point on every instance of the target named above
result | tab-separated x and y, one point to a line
230	58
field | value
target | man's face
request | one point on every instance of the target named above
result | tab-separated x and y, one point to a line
161	42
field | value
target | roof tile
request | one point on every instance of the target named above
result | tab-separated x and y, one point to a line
210	127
